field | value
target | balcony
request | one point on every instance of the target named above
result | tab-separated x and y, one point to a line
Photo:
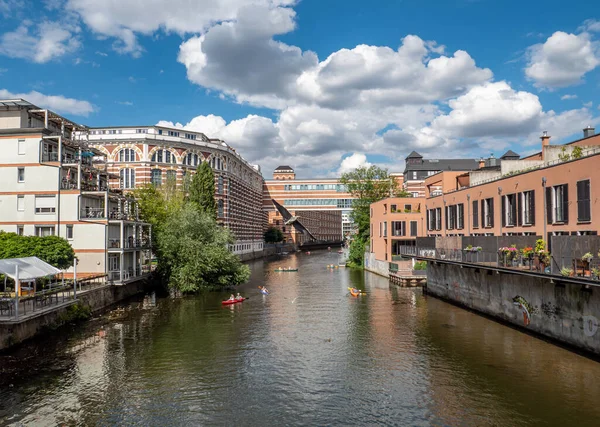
128	274
94	187
49	157
123	216
92	213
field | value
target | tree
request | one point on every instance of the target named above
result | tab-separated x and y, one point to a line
273	235
194	252
51	249
367	185
202	190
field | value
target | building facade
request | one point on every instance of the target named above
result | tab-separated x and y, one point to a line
54	183
139	155
550	193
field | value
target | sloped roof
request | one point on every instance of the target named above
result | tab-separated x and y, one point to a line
414	155
283	168
29	268
510	153
444	165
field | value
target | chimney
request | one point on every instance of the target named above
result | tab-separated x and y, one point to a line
545	139
481	163
588	131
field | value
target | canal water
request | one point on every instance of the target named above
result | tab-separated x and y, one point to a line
308	354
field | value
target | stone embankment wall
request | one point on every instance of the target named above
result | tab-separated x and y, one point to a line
98	299
376	266
565	312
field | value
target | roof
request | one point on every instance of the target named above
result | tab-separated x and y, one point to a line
29	268
510	153
414	155
283	168
444	165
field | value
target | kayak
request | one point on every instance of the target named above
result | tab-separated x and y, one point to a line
332	266
280	270
229	302
355	294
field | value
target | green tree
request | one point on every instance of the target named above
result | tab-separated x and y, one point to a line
51	249
202	190
194	252
273	235
367	185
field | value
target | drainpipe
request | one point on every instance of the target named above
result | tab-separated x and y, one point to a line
544	207
501	213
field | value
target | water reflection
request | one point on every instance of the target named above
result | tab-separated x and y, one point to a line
307	354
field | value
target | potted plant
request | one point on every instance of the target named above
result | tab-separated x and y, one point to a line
566	272
596	273
587	258
527	254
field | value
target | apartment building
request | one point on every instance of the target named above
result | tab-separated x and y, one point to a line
139	155
549	193
54	183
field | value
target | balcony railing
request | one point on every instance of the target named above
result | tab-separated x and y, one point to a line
92	213
87	186
123	216
50	157
128	273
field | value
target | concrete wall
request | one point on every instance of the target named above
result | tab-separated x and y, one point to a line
375	266
567	313
97	299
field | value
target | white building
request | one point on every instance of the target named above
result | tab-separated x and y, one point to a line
53	183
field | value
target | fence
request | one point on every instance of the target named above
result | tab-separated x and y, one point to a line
51	295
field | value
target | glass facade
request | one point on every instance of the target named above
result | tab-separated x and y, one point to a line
339	203
319	187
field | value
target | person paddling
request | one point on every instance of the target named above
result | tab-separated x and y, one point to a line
239	297
232	297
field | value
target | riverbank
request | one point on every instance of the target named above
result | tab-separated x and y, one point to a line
88	302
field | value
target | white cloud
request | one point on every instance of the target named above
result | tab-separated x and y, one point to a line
126	103
124	20
588	104
101	53
3	70
568	97
57	103
353	162
493	109
562	60
47	41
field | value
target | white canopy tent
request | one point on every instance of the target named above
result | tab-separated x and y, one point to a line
27	269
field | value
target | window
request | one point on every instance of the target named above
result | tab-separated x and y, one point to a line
438	218
584	213
173	133
190	159
220	185
45	204
220	207
44	230
20	230
393	208
21	175
113	262
460	216
172	177
398	228
527	208
20	202
141	131
69	232
190	136
475	214
414	175
413	228
415	194
509	210
21	144
557	204
487	213
127	178
385	229
407	208
160	131
127	155
156	177
163	156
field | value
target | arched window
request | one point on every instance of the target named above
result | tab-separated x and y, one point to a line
127	155
172	177
156	177
220	211
220	185
163	156
127	178
191	159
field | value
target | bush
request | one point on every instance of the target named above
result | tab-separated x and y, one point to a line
273	235
357	253
420	265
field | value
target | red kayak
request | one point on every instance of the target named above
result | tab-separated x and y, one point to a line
229	302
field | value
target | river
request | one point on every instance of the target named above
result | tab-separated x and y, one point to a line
307	354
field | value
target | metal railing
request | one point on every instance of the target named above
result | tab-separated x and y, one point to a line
92	213
50	157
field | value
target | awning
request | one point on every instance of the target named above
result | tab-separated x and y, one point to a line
30	268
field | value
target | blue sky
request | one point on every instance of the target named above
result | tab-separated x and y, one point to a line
323	86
